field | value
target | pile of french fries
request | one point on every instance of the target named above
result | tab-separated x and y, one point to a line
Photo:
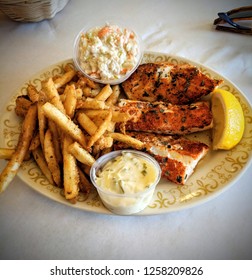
67	124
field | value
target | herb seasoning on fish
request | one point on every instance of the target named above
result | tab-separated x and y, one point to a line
171	83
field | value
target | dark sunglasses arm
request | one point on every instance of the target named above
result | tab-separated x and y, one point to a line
234	30
226	18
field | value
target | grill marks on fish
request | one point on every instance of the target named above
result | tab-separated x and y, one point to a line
176	84
165	118
176	155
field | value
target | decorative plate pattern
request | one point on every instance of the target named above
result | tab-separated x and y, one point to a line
213	175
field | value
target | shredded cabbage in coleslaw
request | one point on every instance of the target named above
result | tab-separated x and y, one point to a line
108	52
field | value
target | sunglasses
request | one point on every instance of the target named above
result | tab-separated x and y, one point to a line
238	20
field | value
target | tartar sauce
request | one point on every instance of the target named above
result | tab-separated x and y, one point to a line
108	52
126	174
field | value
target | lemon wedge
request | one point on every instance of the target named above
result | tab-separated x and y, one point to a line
228	120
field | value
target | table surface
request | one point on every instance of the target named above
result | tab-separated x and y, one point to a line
34	227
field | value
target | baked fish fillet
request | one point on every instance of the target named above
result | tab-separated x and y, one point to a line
165	118
176	84
176	155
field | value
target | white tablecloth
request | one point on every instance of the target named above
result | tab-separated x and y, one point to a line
35	227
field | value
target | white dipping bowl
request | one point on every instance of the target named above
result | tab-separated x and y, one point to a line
95	56
125	204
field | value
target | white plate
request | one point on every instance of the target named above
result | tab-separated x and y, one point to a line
213	175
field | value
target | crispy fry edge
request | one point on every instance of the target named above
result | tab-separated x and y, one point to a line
28	128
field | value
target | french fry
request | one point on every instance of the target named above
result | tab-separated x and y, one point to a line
28	128
102	143
113	98
70	100
132	142
104	93
96	152
64	122
84	185
100	131
86	123
83	82
38	155
22	105
122	128
79	93
106	150
51	159
35	142
85	168
91	83
120	117
92	113
64	79
91	103
48	87
42	120
81	154
111	127
70	171
116	115
56	140
32	93
6	153
94	92
68	67
98	120
87	91
91	126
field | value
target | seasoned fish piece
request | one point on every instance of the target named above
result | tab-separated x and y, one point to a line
159	117
176	84
176	155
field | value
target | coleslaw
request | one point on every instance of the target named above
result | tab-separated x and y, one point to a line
108	52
